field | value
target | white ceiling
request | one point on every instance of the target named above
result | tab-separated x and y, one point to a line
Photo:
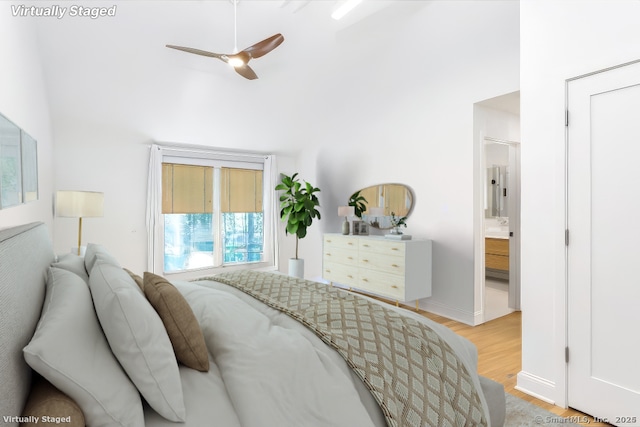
117	72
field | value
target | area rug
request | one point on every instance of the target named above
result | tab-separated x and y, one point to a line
524	414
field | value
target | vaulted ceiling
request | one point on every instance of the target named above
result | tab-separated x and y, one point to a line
115	72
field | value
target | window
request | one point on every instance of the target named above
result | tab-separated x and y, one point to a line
213	212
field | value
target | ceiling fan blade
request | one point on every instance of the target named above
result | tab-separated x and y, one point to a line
265	46
246	72
198	52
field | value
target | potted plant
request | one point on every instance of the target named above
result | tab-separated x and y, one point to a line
298	206
396	222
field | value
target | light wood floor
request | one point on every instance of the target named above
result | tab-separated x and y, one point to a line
499	345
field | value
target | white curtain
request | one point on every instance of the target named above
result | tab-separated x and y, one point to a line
271	209
154	196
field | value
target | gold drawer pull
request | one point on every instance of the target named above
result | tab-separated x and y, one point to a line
365	245
395	265
394	286
365	260
328	271
329	241
365	280
394	249
350	243
328	253
349	276
349	257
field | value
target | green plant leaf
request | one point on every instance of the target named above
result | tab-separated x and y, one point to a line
298	204
292	227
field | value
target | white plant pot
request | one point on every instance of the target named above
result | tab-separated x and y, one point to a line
296	268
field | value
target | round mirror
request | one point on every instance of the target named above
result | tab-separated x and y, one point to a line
376	203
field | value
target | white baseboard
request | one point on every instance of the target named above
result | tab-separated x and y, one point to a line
478	318
536	386
435	307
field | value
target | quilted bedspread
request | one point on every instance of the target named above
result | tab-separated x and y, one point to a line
413	374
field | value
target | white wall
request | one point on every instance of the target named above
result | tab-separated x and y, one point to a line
559	40
113	158
110	159
403	112
396	105
23	100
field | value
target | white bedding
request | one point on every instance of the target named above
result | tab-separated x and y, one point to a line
307	383
268	369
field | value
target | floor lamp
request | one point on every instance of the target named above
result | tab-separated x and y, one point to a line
79	204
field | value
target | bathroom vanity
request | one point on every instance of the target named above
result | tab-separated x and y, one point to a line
496	257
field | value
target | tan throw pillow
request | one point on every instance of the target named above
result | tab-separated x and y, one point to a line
46	404
178	318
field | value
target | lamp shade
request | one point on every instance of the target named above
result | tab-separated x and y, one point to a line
79	204
346	211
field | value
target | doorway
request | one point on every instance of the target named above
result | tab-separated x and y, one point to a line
501	222
497	207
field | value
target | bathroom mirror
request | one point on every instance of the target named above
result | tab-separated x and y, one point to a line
382	200
496	192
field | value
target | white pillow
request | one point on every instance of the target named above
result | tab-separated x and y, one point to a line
73	263
71	352
137	338
92	251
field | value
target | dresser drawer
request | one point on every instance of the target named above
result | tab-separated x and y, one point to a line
382	262
339	273
340	255
390	285
383	247
341	242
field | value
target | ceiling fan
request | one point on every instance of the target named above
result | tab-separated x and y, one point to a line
240	60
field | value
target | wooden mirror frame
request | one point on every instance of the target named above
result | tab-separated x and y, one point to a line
391	198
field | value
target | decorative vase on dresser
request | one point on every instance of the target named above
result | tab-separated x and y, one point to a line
398	270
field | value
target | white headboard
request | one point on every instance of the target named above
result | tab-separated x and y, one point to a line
25	253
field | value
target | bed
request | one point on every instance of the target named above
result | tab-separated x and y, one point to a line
239	349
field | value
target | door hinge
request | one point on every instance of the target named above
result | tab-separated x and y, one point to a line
566	354
566	237
566	117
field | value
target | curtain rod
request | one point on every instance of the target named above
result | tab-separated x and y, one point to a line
204	150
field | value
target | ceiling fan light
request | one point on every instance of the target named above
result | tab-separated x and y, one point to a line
236	62
344	8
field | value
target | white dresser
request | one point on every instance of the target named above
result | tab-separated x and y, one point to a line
396	269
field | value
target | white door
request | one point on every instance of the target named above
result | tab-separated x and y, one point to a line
603	219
